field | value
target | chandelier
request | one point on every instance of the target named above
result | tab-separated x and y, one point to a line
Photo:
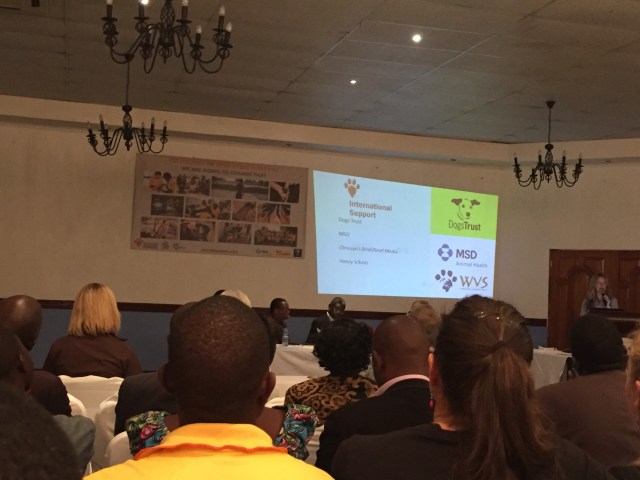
548	169
169	37
143	139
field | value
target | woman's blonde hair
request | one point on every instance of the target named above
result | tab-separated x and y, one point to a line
94	312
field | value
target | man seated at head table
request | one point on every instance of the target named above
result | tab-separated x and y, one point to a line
16	371
335	311
220	388
591	410
400	366
23	316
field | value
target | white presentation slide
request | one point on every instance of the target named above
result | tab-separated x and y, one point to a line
381	238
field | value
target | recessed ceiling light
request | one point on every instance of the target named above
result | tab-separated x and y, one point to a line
417	38
353	82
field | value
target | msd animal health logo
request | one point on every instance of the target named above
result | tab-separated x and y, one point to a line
463	214
445	252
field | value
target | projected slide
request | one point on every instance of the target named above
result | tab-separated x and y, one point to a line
381	238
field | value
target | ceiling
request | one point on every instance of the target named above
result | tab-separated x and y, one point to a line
483	70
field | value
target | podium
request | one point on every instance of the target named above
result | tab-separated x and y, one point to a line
625	321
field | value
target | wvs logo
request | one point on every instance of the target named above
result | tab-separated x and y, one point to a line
352	186
474	283
447	279
464	212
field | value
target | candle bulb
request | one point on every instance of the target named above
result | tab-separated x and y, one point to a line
153	124
185	7
580	159
109	8
101	122
140	10
198	34
221	14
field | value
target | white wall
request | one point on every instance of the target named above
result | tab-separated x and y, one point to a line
66	213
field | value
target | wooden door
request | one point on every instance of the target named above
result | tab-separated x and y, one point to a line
569	275
628	288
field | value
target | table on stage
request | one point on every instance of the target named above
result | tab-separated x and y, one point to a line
295	362
549	366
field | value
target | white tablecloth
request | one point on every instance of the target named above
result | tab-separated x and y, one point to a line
547	367
296	360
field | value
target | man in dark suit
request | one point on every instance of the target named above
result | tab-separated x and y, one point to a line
144	392
335	312
400	365
141	393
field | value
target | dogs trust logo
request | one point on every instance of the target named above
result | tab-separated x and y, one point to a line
445	252
464	212
447	279
465	207
352	186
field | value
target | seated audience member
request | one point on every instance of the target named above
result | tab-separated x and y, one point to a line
632	387
277	318
139	394
144	392
591	411
23	316
335	312
430	320
416	304
343	348
221	388
289	426
486	424
400	367
31	444
16	370
92	347
239	294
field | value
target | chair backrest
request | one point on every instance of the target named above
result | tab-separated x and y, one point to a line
104	419
77	407
118	450
91	390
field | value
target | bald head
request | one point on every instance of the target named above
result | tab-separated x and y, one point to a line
219	362
23	316
400	347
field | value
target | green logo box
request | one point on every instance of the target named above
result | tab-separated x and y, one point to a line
463	214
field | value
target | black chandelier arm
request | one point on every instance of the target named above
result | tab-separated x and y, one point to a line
223	51
110	144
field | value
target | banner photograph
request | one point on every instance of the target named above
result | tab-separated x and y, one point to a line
213	206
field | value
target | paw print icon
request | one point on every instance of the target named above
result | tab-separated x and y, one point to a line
352	186
447	279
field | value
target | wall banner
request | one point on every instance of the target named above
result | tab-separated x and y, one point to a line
212	206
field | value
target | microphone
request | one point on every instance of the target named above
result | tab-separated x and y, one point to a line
605	299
